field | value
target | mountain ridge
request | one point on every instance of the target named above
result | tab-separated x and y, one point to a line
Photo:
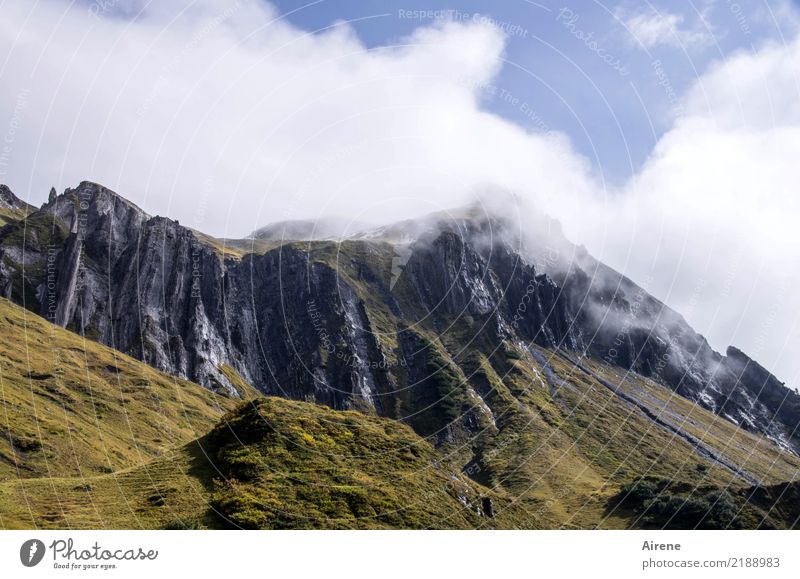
380	317
501	372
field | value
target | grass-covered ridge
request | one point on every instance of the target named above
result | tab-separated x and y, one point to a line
667	504
295	465
271	463
8	215
72	407
90	438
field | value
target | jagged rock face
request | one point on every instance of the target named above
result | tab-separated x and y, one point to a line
150	288
11	206
450	278
623	325
299	332
753	398
345	324
10	201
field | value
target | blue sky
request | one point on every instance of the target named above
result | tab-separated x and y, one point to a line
614	119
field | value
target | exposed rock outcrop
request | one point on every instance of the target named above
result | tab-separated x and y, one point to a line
9	201
346	325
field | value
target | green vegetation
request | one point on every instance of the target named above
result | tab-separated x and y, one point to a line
243	387
39	230
11	215
71	407
440	399
28	240
663	504
271	463
294	465
90	438
772	507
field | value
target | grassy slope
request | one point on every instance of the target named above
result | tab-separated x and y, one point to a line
92	438
72	407
270	463
752	452
555	459
564	455
10	215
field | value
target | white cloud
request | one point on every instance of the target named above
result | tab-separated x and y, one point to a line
652	28
228	119
713	214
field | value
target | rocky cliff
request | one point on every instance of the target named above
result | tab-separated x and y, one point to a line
412	325
11	206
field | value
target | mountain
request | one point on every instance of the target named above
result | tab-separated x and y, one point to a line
534	370
12	207
272	463
163	294
115	443
74	408
108	449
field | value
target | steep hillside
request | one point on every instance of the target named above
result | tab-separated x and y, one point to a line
12	208
340	323
271	463
275	463
550	445
666	504
547	379
71	407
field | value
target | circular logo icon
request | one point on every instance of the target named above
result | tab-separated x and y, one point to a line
31	553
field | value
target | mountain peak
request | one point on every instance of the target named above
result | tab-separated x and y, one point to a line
10	201
465	264
91	192
91	201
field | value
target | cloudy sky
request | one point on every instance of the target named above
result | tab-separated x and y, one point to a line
664	136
